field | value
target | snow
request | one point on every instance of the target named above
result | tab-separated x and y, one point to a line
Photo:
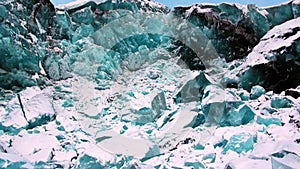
12	157
296	2
39	105
247	163
264	150
117	144
77	3
197	9
30	143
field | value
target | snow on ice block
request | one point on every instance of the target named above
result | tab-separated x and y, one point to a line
35	109
32	143
114	143
268	149
13	161
246	163
39	110
285	160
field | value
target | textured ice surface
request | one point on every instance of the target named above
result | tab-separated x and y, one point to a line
131	84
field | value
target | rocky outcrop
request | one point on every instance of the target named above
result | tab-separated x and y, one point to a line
274	62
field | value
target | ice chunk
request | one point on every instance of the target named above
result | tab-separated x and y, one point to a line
31	109
211	158
228	114
195	165
41	155
14	161
158	104
239	143
63	25
139	116
281	102
268	121
224	107
238	114
10	157
280	13
57	68
257	91
83	16
39	110
64	155
285	160
244	95
193	89
87	161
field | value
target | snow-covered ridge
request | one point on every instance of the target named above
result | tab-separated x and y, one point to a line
79	3
277	38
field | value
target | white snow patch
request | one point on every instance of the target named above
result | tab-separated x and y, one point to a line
246	163
31	143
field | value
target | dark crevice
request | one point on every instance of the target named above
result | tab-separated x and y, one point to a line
22	107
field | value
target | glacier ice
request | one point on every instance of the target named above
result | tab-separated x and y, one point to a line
133	84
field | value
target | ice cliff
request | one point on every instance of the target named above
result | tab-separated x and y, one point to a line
134	84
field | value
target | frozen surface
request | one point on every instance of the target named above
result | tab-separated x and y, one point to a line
131	84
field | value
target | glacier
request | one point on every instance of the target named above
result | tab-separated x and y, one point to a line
134	84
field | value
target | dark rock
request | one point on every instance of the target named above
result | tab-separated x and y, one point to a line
293	92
